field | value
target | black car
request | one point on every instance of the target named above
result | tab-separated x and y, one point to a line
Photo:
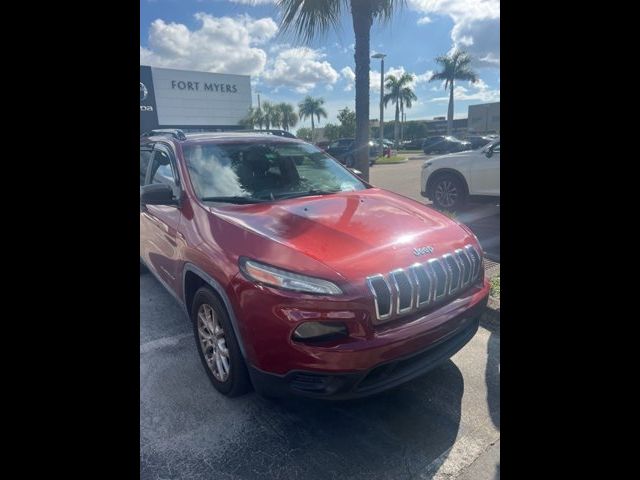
344	151
416	143
444	144
478	141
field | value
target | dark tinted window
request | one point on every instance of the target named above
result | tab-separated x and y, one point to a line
145	157
161	171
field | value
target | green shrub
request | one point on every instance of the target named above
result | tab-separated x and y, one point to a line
495	286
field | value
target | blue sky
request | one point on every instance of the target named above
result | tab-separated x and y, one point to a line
242	37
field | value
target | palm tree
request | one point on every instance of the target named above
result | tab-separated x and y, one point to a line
407	97
396	88
271	115
253	118
311	18
258	117
288	116
247	121
454	67
310	108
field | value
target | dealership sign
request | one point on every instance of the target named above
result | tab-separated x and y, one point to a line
181	98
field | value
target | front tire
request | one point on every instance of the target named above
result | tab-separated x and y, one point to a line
217	345
448	193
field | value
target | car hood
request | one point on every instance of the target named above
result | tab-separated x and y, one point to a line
353	233
449	156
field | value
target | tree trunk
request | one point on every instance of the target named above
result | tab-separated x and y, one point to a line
362	20
396	125
401	121
313	129
450	112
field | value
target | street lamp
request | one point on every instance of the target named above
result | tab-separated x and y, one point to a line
381	57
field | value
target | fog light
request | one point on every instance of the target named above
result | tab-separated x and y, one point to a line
318	331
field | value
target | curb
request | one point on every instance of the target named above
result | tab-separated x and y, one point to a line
392	163
491	314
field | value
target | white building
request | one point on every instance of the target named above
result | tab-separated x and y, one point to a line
484	118
192	100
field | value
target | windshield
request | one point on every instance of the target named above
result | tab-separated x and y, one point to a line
253	172
490	145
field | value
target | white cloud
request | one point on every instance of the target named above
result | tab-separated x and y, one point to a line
397	72
476	25
343	49
374	77
476	91
350	76
374	81
424	20
424	77
301	68
221	44
277	47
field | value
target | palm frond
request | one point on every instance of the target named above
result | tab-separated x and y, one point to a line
388	97
383	10
407	97
467	74
438	76
310	18
456	66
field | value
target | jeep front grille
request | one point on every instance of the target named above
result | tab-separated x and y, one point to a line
406	290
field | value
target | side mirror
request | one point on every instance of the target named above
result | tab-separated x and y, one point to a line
355	172
157	194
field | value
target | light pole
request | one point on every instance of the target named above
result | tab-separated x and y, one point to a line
381	57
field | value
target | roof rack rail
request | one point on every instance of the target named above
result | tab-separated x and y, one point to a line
174	132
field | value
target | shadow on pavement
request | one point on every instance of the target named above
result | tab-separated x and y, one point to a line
492	377
484	221
397	434
392	435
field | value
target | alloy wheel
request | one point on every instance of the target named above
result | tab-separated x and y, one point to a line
213	343
446	193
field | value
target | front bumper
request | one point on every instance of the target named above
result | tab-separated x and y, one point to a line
424	178
383	376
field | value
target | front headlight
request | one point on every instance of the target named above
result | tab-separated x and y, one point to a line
274	277
426	164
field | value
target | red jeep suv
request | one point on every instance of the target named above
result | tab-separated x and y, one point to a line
299	277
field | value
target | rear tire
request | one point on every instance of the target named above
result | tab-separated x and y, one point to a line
217	345
448	192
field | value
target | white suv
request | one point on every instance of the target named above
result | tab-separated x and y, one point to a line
449	180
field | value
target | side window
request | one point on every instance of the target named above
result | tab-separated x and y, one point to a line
145	157
161	171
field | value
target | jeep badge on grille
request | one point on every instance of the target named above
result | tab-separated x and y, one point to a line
422	251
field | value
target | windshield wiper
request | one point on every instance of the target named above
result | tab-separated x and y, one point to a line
237	200
307	193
